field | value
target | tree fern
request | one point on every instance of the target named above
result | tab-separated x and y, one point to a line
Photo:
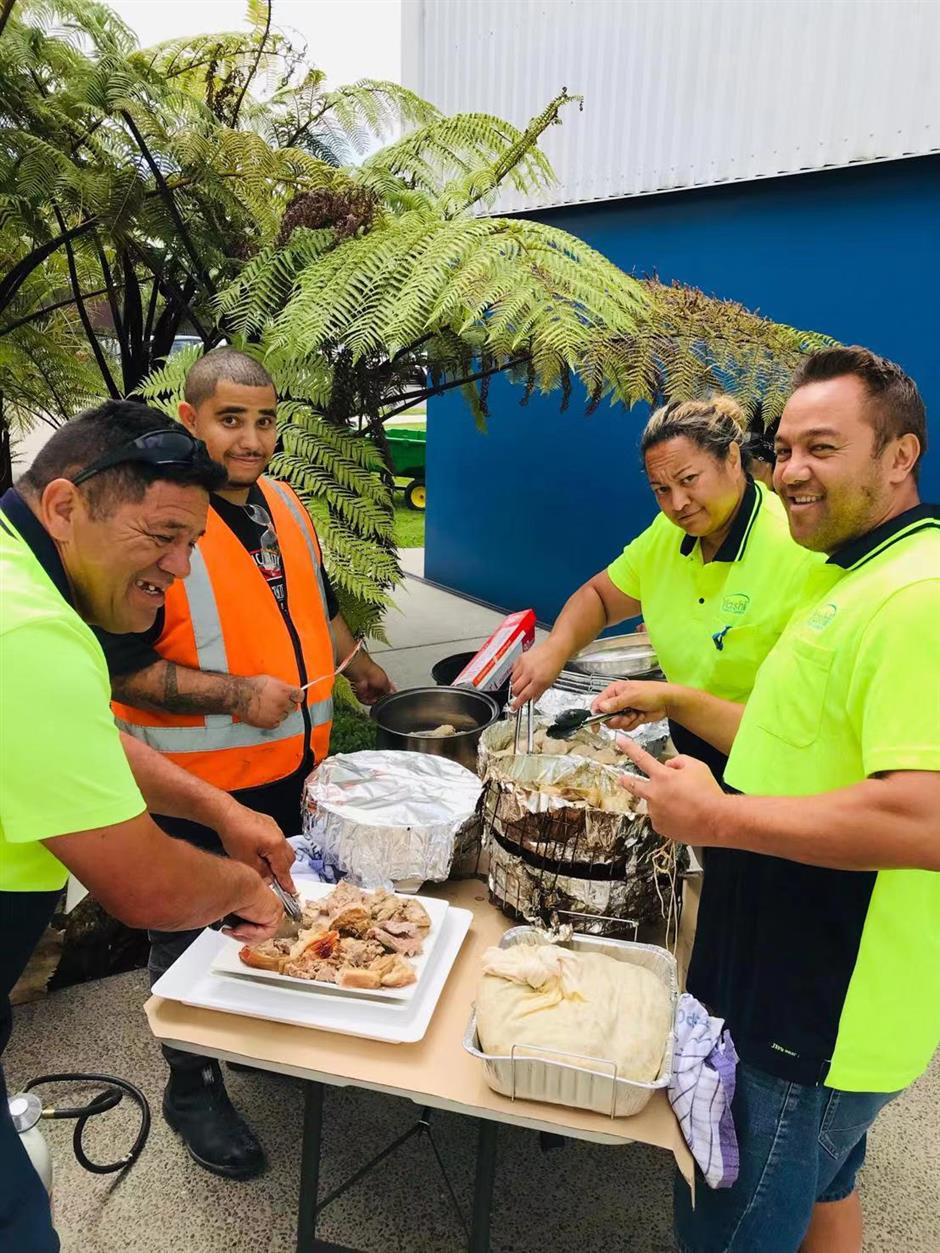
214	186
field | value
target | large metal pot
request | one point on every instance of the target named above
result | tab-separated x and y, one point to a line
400	714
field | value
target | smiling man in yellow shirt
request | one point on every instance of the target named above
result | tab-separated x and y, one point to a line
97	530
819	929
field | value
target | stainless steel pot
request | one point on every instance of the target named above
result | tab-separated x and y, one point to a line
401	714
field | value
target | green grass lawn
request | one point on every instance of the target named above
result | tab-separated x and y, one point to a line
409	525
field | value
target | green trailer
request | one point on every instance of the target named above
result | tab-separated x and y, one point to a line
407	448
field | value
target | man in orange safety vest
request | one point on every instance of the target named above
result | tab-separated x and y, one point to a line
234	682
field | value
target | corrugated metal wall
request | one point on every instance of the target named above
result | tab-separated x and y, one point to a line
687	93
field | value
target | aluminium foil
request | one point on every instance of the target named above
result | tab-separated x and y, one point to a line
390	818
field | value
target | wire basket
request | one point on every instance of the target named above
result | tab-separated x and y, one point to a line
551	857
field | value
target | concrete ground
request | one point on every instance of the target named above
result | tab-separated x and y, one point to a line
579	1197
427	624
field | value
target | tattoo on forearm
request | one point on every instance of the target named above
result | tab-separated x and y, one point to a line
171	687
158	688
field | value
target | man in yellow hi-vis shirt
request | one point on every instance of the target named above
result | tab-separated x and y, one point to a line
95	533
819	929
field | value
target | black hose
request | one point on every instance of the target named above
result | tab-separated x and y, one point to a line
99	1104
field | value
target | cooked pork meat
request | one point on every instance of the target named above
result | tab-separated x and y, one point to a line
360	952
407	945
353	938
262	956
398	926
321	942
387	907
312	967
345	894
394	971
313	915
353	977
415	912
351	919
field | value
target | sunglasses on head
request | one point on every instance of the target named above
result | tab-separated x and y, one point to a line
171	446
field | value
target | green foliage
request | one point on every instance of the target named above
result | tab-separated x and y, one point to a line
212	186
694	345
353	730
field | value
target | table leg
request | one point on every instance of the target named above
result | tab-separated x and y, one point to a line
483	1186
310	1167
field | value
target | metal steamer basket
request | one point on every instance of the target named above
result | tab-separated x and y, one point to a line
553	859
595	1084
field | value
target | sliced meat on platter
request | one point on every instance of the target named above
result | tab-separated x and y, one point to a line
353	938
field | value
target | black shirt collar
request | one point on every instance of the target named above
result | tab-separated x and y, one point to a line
857	551
735	542
38	539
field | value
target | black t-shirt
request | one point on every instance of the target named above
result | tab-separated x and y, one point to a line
126	654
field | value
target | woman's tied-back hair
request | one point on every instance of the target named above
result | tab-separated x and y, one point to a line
713	424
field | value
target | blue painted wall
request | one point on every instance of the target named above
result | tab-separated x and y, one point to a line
523	514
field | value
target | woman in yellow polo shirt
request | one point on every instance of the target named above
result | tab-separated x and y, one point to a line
716	576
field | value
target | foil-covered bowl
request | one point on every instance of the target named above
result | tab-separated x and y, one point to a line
389	818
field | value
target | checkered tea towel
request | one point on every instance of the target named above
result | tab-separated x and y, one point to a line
702	1088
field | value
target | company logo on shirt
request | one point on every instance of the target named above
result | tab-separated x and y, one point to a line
822	616
736	603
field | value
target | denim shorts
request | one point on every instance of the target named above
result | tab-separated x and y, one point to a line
798	1145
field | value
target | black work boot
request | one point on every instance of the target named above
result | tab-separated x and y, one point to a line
196	1106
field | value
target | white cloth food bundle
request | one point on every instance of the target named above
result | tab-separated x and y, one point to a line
575	1005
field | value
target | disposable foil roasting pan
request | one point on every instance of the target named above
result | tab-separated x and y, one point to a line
523	1075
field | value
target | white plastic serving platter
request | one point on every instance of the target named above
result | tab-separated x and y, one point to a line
192	981
227	961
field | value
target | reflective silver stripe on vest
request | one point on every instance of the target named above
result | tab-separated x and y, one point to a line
303	521
207	625
210	645
221	731
234	735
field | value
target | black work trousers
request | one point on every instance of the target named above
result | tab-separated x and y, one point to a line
280	801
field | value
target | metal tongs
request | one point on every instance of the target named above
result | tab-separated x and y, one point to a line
339	669
292	908
572	720
529	710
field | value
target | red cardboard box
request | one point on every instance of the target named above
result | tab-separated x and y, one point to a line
492	665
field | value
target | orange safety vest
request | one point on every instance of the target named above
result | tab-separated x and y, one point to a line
223	617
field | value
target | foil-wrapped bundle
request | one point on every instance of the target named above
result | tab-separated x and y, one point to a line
566	809
564	836
653	736
525	892
390	818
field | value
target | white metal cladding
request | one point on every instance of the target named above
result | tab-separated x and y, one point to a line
686	93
